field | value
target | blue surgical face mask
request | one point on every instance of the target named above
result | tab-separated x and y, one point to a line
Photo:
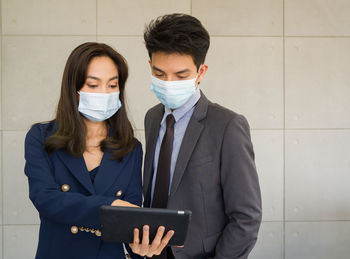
173	94
98	106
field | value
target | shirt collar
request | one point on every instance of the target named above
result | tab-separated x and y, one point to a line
181	111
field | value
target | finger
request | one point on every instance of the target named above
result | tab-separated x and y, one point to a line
134	205
154	247
136	243
158	238
144	248
128	204
145	237
136	236
164	242
166	239
115	202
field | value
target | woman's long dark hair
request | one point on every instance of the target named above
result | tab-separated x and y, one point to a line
71	133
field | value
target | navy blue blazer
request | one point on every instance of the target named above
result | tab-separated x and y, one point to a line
68	202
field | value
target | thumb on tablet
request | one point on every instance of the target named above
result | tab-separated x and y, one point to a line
122	203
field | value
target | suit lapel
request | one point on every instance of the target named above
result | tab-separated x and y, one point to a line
189	141
108	173
151	141
77	167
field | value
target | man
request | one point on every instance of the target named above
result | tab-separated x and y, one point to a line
199	155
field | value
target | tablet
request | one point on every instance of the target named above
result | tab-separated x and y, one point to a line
118	223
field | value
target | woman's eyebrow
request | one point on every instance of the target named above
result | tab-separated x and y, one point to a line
113	78
98	79
94	77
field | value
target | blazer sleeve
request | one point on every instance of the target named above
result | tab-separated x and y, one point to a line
134	190
60	207
241	192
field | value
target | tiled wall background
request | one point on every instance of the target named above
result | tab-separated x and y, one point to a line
284	64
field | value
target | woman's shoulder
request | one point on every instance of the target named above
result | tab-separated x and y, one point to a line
138	144
42	130
137	149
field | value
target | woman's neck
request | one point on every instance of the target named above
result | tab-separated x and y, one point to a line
95	129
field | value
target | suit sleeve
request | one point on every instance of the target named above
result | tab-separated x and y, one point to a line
60	207
146	125
241	192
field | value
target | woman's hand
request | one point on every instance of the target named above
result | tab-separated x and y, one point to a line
122	203
156	247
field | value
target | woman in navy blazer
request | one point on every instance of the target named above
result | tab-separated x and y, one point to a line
85	158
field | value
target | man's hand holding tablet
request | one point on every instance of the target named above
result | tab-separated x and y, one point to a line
160	227
156	247
145	248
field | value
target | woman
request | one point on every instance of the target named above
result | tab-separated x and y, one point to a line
85	158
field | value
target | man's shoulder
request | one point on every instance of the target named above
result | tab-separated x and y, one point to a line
155	110
221	115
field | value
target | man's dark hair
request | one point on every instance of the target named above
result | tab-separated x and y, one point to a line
178	33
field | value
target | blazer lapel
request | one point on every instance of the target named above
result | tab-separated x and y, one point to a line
77	167
151	141
108	173
189	141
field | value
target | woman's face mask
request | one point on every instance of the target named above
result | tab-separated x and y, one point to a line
99	106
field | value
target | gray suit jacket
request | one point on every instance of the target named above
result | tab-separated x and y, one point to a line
215	177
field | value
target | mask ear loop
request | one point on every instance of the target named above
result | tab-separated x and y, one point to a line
198	81
198	73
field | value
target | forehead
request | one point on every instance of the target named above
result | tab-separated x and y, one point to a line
102	65
172	62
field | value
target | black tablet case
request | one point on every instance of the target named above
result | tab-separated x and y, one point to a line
118	223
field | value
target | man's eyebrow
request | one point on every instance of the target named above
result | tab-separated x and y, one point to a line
179	72
183	71
158	69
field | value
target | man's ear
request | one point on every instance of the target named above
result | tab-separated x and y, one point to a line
150	65
201	73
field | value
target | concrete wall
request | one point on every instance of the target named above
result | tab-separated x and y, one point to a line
284	64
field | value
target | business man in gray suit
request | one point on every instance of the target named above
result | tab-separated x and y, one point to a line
199	155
